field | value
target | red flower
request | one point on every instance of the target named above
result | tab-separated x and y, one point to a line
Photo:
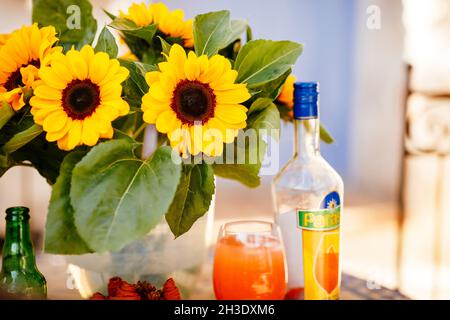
98	296
170	290
113	284
119	289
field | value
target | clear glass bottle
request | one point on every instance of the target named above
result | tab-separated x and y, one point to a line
308	198
19	276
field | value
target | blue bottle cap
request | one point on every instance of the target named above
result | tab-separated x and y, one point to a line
306	97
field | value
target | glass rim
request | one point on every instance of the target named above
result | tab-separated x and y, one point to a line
225	228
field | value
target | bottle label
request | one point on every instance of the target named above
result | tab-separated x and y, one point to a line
326	218
321	242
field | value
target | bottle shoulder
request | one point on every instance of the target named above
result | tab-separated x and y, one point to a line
308	174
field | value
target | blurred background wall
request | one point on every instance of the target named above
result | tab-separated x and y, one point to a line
359	51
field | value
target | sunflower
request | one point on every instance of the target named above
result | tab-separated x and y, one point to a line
3	38
195	101
170	23
21	56
78	98
287	92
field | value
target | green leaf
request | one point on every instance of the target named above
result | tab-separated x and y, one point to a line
249	33
22	138
271	89
61	235
245	162
6	113
325	136
247	174
192	199
3	161
72	19
107	43
118	197
238	27
261	61
128	27
5	164
109	14
45	156
263	114
165	45
135	86
211	32
119	134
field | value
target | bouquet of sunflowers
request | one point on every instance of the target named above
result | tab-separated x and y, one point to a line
79	115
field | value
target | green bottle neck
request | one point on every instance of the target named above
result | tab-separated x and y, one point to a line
306	141
18	253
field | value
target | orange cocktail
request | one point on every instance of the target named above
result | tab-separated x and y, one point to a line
249	265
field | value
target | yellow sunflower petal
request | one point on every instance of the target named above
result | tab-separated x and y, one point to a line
62	71
87	52
39	103
121	75
233	96
110	91
113	67
226	81
213	142
192	67
47	92
35	42
119	104
166	121
108	134
106	113
54	136
172	24
194	138
228	133
40	115
177	57
203	64
230	113
90	134
158	93
63	143
103	117
77	65
152	108
74	135
152	77
55	121
98	67
51	78
159	11
216	67
7	64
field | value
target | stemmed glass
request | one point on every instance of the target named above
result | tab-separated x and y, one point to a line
249	262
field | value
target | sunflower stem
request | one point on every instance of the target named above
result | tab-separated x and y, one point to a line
139	130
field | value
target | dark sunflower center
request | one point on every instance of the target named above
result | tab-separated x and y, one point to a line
15	79
193	101
80	98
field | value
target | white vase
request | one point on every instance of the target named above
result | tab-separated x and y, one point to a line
155	257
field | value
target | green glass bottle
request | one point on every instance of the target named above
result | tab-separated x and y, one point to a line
19	277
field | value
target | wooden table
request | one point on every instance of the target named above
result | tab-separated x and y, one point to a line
60	287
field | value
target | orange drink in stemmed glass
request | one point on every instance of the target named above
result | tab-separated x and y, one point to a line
249	262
